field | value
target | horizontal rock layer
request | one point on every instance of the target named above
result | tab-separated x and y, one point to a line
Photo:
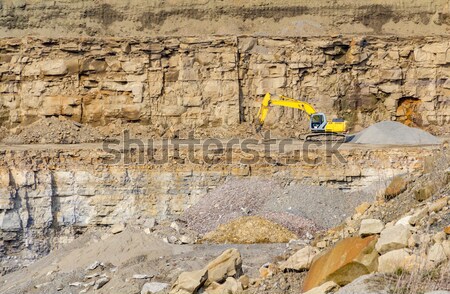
217	83
199	17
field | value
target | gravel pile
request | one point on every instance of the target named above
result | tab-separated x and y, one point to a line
299	207
393	133
54	131
325	207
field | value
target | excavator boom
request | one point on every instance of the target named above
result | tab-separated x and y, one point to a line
283	101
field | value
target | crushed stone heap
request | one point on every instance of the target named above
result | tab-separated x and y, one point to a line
393	133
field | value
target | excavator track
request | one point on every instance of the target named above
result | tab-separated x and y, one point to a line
325	137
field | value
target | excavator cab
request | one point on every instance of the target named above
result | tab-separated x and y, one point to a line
318	121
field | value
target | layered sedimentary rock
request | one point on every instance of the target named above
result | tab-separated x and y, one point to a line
217	83
198	17
49	194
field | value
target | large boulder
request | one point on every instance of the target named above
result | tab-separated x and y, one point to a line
228	264
346	261
301	260
370	227
189	282
396	260
392	238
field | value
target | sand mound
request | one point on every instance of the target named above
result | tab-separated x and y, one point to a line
393	133
250	230
54	131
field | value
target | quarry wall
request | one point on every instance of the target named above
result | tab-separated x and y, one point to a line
214	84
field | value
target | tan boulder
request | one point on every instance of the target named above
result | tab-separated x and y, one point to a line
397	186
370	227
362	207
395	237
189	282
301	260
327	287
436	254
446	246
230	286
228	264
397	259
347	260
438	204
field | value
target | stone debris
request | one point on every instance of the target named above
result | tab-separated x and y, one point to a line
153	287
117	228
327	287
101	282
394	133
346	261
218	276
301	260
54	130
370	227
367	284
395	237
396	260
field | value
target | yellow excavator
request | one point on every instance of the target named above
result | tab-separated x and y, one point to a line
321	129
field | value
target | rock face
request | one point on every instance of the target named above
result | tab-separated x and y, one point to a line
392	238
206	83
347	260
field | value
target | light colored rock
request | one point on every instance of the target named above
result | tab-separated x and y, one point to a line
418	215
362	207
370	227
438	204
367	284
397	259
141	276
101	282
230	286
10	221
395	237
54	67
228	264
185	239
117	228
326	287
175	226
446	246
153	287
189	282
301	260
346	261
436	254
405	221
438	292
439	237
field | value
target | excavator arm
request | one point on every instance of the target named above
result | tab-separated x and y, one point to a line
283	101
